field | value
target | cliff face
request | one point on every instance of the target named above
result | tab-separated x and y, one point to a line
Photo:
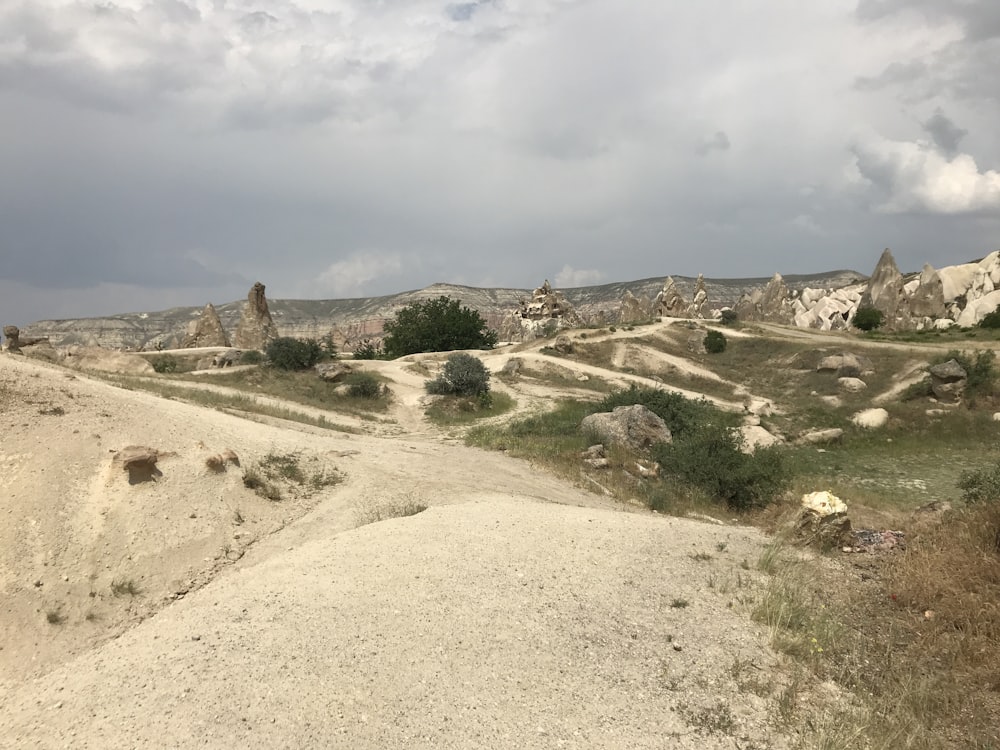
355	319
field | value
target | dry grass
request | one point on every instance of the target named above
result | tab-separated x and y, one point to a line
383	509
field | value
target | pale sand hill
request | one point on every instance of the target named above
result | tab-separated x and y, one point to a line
518	611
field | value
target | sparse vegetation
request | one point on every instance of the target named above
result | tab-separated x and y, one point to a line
364	385
437	325
463	375
382	510
251	357
125	587
981	485
459	410
164	364
55	617
276	473
368	349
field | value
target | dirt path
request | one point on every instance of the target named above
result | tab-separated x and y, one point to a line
519	611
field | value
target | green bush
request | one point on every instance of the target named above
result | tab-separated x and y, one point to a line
287	353
368	349
980	485
437	325
992	320
363	385
868	319
715	342
681	414
463	375
729	317
251	357
164	364
711	458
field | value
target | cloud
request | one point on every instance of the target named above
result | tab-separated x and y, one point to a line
350	277
570	277
906	177
718	141
947	135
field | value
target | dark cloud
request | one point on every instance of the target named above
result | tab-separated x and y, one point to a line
946	134
718	141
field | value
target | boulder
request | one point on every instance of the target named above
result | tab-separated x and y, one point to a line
633	426
755	436
759	407
846	365
140	463
871	419
823	520
851	385
206	331
512	367
256	328
563	344
227	359
333	372
948	381
822	437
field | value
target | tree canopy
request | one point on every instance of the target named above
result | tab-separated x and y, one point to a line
437	325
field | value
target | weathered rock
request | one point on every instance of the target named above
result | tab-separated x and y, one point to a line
760	407
851	385
871	419
696	343
633	426
670	303
948	381
597	463
256	328
140	463
846	365
227	359
512	367
333	372
885	292
822	437
594	451
927	300
775	303
823	520
40	349
634	309
206	331
563	344
547	311
102	360
12	335
699	300
755	436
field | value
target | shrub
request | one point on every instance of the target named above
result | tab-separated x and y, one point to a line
164	364
980	485
715	342
681	414
463	375
368	349
868	319
287	353
729	317
363	385
992	320
251	357
711	458
438	325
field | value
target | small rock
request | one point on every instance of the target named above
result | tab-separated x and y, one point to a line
852	385
871	419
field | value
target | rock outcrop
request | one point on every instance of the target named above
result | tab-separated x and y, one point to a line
699	300
885	292
256	329
11	335
634	309
545	313
948	381
207	330
670	303
927	300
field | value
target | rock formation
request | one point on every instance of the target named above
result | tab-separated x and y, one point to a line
773	303
11	336
885	292
700	299
927	299
207	330
256	328
670	303
634	309
633	426
546	312
948	381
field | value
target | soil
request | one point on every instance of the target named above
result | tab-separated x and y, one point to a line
518	610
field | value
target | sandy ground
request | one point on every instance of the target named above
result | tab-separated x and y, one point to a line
517	611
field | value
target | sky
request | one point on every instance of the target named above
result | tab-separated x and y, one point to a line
158	153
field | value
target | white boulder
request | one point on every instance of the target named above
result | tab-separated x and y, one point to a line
871	419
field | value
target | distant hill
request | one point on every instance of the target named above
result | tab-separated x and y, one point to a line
363	316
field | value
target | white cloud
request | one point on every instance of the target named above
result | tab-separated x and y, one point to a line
573	277
350	276
913	177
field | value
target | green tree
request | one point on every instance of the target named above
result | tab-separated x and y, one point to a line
437	325
287	353
868	318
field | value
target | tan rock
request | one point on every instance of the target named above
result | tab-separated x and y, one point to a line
206	331
256	329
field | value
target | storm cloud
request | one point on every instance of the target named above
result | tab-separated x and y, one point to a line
172	152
